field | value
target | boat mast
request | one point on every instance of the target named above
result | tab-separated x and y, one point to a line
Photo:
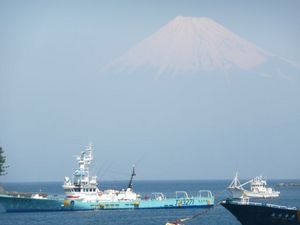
131	178
235	182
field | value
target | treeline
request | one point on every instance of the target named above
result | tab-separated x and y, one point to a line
3	166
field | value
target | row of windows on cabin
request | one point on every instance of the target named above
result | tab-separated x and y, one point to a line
82	190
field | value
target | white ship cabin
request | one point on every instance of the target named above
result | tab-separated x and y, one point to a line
84	187
258	189
259	185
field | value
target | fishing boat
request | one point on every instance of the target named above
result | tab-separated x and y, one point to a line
252	213
258	189
82	193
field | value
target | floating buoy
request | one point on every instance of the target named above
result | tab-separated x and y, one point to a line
178	222
174	224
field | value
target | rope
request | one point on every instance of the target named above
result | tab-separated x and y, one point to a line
179	221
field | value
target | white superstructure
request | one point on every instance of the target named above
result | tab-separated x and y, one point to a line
85	187
258	189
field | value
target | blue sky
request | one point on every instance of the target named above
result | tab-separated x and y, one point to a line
51	53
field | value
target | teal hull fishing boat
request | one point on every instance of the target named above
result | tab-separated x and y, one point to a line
32	204
82	193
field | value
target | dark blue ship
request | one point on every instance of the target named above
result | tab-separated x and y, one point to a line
250	213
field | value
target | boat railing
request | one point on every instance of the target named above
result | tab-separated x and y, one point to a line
182	195
264	204
204	194
158	196
26	194
281	207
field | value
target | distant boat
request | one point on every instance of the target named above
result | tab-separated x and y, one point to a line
292	185
82	193
250	213
258	189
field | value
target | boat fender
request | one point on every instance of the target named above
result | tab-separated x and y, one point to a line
136	204
72	203
66	203
179	203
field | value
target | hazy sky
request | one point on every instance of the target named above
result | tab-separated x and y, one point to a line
52	103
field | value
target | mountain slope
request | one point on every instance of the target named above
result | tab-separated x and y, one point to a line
188	44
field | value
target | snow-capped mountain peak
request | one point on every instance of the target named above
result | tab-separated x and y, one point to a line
191	44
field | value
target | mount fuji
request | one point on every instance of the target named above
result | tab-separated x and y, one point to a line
194	94
191	45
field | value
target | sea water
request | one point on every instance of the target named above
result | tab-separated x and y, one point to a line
289	196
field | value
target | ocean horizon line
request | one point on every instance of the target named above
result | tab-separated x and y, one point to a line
155	180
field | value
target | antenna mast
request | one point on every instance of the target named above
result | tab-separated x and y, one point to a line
131	178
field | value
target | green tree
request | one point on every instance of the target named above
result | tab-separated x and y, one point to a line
2	163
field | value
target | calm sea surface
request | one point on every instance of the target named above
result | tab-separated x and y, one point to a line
289	196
